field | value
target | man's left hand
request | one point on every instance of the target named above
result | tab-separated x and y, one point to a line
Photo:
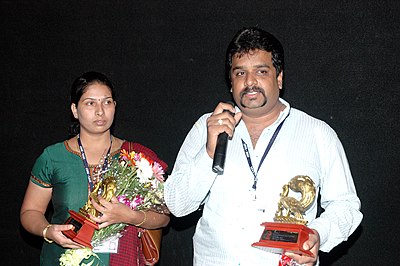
312	244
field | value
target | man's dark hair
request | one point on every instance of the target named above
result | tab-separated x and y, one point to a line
250	39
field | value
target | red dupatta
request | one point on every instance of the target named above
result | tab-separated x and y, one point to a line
129	249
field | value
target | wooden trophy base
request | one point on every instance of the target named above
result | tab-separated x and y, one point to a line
284	237
83	230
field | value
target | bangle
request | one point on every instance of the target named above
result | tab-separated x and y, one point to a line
144	219
44	233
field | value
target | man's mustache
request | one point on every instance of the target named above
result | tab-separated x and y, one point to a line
251	89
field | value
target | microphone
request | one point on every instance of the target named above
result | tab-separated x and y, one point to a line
220	150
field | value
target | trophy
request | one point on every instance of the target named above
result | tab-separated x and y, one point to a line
84	227
289	231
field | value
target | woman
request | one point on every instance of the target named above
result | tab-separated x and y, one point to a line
65	177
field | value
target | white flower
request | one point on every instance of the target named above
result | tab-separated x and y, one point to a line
145	170
73	257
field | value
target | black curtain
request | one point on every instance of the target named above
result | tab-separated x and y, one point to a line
166	59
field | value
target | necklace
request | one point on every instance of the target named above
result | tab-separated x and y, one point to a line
101	169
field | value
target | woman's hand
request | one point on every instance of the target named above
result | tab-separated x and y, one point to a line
116	212
112	212
33	218
54	233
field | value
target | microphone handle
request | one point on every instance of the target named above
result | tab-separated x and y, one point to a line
220	153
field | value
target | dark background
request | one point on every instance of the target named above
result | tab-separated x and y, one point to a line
166	59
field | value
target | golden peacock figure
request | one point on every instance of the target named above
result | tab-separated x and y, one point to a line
106	189
294	208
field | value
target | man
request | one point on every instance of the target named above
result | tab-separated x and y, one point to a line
270	143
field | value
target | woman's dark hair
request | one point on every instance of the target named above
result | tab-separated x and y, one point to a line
250	39
79	87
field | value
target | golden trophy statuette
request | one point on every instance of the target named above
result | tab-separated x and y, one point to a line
289	231
84	227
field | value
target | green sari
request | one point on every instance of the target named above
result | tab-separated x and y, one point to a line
62	169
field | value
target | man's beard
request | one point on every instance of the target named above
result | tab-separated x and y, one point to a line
249	90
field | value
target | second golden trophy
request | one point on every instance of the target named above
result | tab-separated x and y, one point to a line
288	232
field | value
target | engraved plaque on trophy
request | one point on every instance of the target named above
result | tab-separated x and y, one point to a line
289	231
84	227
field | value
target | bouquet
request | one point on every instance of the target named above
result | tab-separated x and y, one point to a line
136	179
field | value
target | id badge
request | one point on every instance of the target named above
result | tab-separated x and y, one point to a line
253	194
109	246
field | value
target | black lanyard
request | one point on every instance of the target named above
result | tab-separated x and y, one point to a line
85	163
246	152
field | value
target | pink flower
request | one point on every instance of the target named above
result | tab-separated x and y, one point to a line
136	201
158	172
123	199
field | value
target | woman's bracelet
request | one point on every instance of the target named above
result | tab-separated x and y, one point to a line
44	233
144	219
